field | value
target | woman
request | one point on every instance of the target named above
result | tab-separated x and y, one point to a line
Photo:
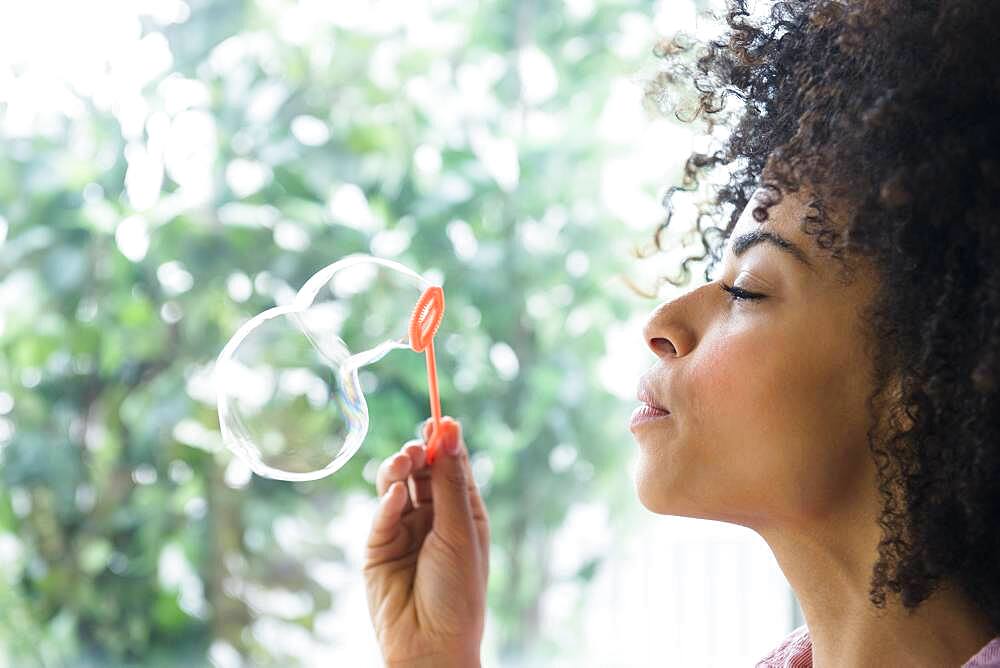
835	389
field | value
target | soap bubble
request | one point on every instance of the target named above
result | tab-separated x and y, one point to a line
290	404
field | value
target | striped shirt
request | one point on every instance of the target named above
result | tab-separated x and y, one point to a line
795	651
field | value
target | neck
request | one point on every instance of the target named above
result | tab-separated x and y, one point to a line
829	565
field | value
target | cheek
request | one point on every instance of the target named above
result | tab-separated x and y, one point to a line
776	423
740	398
757	424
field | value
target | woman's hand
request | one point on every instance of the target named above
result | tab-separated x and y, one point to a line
427	559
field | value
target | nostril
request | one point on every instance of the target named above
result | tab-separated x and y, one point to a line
662	345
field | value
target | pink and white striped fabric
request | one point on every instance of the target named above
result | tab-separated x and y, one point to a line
795	651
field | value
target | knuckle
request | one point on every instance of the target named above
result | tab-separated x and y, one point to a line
456	478
454	543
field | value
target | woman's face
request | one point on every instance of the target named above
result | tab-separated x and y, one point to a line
767	398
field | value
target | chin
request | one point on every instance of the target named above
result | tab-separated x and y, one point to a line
654	492
661	493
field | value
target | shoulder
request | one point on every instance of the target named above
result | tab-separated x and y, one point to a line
987	657
795	651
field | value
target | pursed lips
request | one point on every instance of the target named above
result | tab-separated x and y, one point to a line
645	395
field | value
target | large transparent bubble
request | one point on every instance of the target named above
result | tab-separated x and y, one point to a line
290	403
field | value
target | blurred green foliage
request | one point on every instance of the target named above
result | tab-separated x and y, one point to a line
140	237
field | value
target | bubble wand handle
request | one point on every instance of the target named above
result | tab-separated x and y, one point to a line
435	401
424	323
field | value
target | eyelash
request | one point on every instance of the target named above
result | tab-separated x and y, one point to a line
739	294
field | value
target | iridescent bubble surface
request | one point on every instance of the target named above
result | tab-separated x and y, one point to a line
290	402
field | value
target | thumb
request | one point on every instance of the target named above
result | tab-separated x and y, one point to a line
449	485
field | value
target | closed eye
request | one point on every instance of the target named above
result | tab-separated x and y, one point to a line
739	294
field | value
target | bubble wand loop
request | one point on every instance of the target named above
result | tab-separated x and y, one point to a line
424	324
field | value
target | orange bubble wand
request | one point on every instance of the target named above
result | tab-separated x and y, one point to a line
424	324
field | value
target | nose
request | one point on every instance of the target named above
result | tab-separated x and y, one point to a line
665	332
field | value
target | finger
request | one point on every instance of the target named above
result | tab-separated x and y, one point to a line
422	430
386	538
475	499
393	468
423	491
419	481
450	487
427	430
476	504
477	507
417	453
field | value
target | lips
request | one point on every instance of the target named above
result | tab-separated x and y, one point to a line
645	395
645	413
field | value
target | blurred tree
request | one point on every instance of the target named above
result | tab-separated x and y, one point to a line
205	176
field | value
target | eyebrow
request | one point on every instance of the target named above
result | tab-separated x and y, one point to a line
745	241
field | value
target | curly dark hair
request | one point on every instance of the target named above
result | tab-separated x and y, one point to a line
886	110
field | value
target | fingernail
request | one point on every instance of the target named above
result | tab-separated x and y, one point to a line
451	439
